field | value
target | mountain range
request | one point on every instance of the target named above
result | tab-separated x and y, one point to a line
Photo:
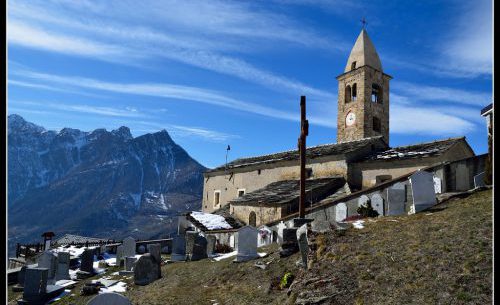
101	183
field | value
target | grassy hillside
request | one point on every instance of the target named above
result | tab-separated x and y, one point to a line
443	256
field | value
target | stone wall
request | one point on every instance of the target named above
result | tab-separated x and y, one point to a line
255	178
264	214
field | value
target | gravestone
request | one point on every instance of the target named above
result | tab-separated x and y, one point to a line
48	260
246	244
462	177
154	250
199	248
211	240
303	244
479	180
289	245
363	201
378	204
87	261
321	226
62	271
281	226
119	255
129	246
129	265
422	187
437	184
36	290
190	238
265	236
109	298
146	270
178	248
141	249
340	212
396	198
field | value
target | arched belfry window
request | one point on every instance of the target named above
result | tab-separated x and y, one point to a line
376	94
354	92
347	94
252	219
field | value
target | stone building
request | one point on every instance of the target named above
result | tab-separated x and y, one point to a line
264	189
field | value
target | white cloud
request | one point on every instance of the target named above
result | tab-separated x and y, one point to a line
417	92
425	121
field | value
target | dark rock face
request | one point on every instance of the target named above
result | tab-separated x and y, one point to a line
97	183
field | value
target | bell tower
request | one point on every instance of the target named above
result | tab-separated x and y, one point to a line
363	96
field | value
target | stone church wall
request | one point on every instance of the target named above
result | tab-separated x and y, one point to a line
257	178
264	214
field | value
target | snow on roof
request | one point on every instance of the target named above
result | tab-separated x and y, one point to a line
211	221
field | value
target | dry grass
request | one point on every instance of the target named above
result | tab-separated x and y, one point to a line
443	256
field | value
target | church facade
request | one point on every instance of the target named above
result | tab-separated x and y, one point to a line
251	188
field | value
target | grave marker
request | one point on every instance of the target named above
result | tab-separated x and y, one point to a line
178	248
422	187
378	204
146	270
479	180
62	271
303	244
129	246
48	260
109	298
396	198
340	212
36	290
246	244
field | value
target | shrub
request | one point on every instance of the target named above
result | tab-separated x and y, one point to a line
286	280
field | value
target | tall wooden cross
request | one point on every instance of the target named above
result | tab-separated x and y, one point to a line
304	131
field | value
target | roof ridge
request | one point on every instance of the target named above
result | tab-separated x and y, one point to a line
309	147
435	141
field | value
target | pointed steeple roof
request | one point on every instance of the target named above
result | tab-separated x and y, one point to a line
363	53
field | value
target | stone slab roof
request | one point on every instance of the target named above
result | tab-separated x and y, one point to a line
311	153
363	53
288	191
224	212
70	238
416	151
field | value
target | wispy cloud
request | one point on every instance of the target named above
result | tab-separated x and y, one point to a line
30	28
125	112
424	121
419	92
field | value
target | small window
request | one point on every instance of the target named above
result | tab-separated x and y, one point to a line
354	92
347	96
252	219
353	65
241	192
376	94
216	198
376	124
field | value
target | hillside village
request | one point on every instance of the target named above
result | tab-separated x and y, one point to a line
364	208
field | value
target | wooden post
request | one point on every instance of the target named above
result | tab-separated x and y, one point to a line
18	247
304	131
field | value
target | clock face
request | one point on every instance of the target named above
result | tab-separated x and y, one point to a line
350	119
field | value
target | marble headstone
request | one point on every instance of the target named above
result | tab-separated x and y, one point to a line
437	184
363	200
178	248
146	270
87	261
340	212
378	204
62	271
36	290
396	198
303	244
155	251
109	298
211	240
246	244
48	260
199	248
129	246
119	255
423	193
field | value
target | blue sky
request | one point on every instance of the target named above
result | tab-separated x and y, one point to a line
214	73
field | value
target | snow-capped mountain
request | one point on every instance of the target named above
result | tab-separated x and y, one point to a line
101	183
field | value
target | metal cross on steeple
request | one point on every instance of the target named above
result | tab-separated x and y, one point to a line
363	21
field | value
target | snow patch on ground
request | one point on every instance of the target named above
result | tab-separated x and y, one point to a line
358	224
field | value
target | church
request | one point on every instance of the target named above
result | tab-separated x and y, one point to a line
262	189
